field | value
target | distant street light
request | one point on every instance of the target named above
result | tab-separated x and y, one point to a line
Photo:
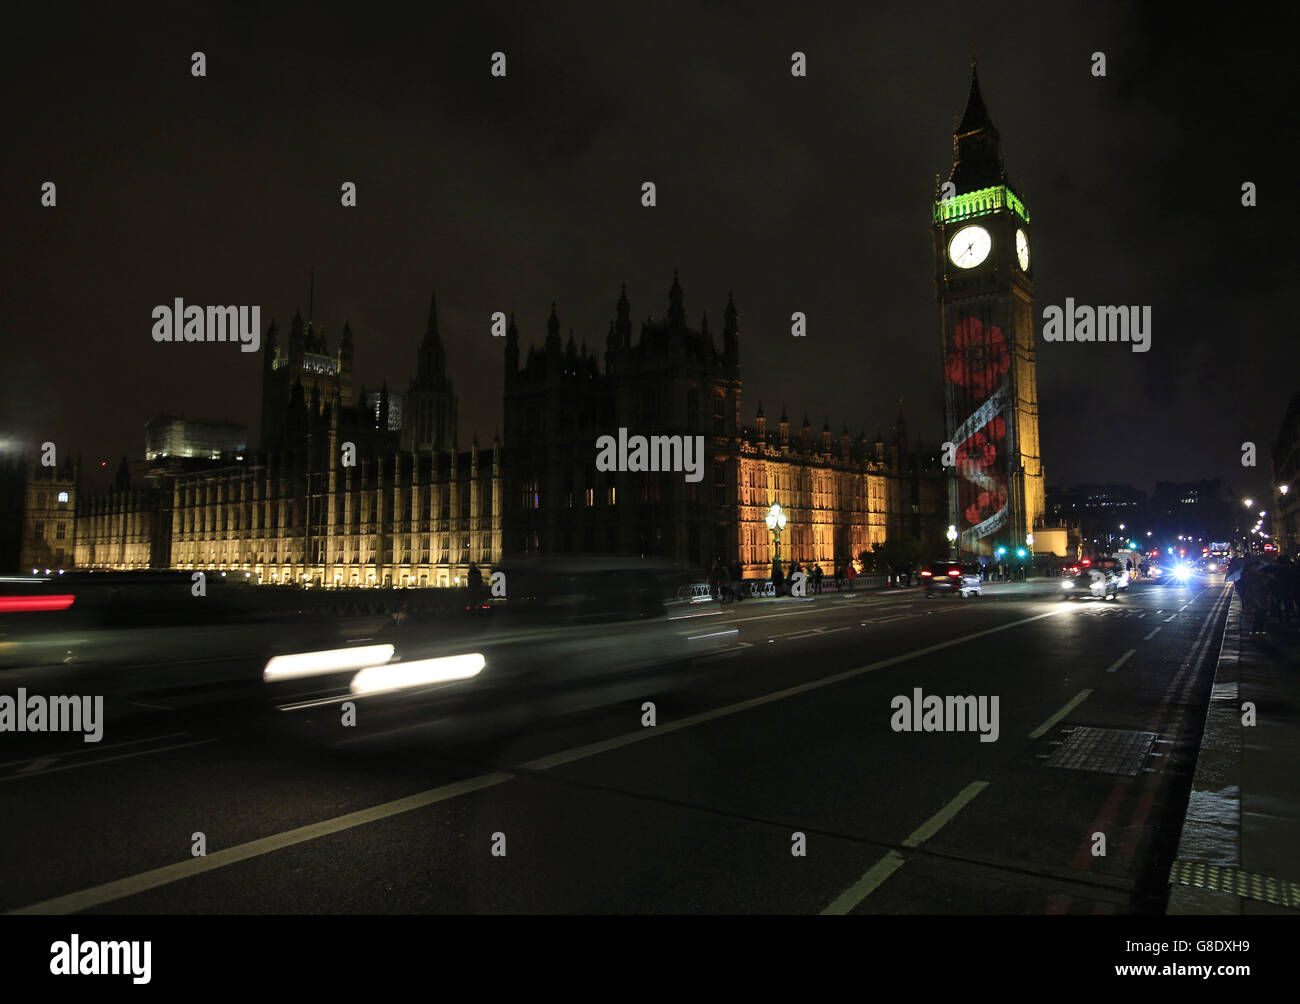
1248	503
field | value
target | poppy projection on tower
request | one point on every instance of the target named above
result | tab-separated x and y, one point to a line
984	285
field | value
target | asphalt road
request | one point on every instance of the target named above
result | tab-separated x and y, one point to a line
787	746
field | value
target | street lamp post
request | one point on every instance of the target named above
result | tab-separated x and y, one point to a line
776	521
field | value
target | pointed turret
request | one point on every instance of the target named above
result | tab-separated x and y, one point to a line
296	335
676	312
431	369
346	351
553	330
976	115
271	347
623	319
976	145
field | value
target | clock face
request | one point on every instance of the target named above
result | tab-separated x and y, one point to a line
1022	250
969	246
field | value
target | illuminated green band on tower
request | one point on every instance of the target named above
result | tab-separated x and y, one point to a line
986	200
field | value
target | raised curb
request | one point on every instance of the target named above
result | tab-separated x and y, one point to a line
1211	834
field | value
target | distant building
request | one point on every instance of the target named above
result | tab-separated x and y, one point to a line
416	511
293	511
44	499
124	527
169	436
1204	511
1094	500
387	408
840	496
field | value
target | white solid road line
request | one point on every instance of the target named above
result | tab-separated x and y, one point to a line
1170	617
1075	701
893	861
94	748
130	886
640	735
1151	635
1121	660
121	888
107	759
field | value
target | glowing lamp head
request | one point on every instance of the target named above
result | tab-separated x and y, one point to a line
775	517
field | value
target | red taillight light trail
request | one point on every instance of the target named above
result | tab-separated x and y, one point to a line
926	575
954	572
29	604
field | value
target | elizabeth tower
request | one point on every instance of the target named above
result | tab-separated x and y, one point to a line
985	288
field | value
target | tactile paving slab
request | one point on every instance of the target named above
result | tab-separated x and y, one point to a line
1224	878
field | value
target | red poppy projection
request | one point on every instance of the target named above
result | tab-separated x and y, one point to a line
976	365
978	357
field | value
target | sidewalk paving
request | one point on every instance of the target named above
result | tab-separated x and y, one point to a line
1239	852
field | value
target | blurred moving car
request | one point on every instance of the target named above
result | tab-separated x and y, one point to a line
1095	581
569	635
962	578
1117	568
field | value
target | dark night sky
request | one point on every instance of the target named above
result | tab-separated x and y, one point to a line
798	194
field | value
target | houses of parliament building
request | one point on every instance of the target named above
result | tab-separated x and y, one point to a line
350	488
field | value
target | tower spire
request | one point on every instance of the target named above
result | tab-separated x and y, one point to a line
676	312
432	364
976	145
